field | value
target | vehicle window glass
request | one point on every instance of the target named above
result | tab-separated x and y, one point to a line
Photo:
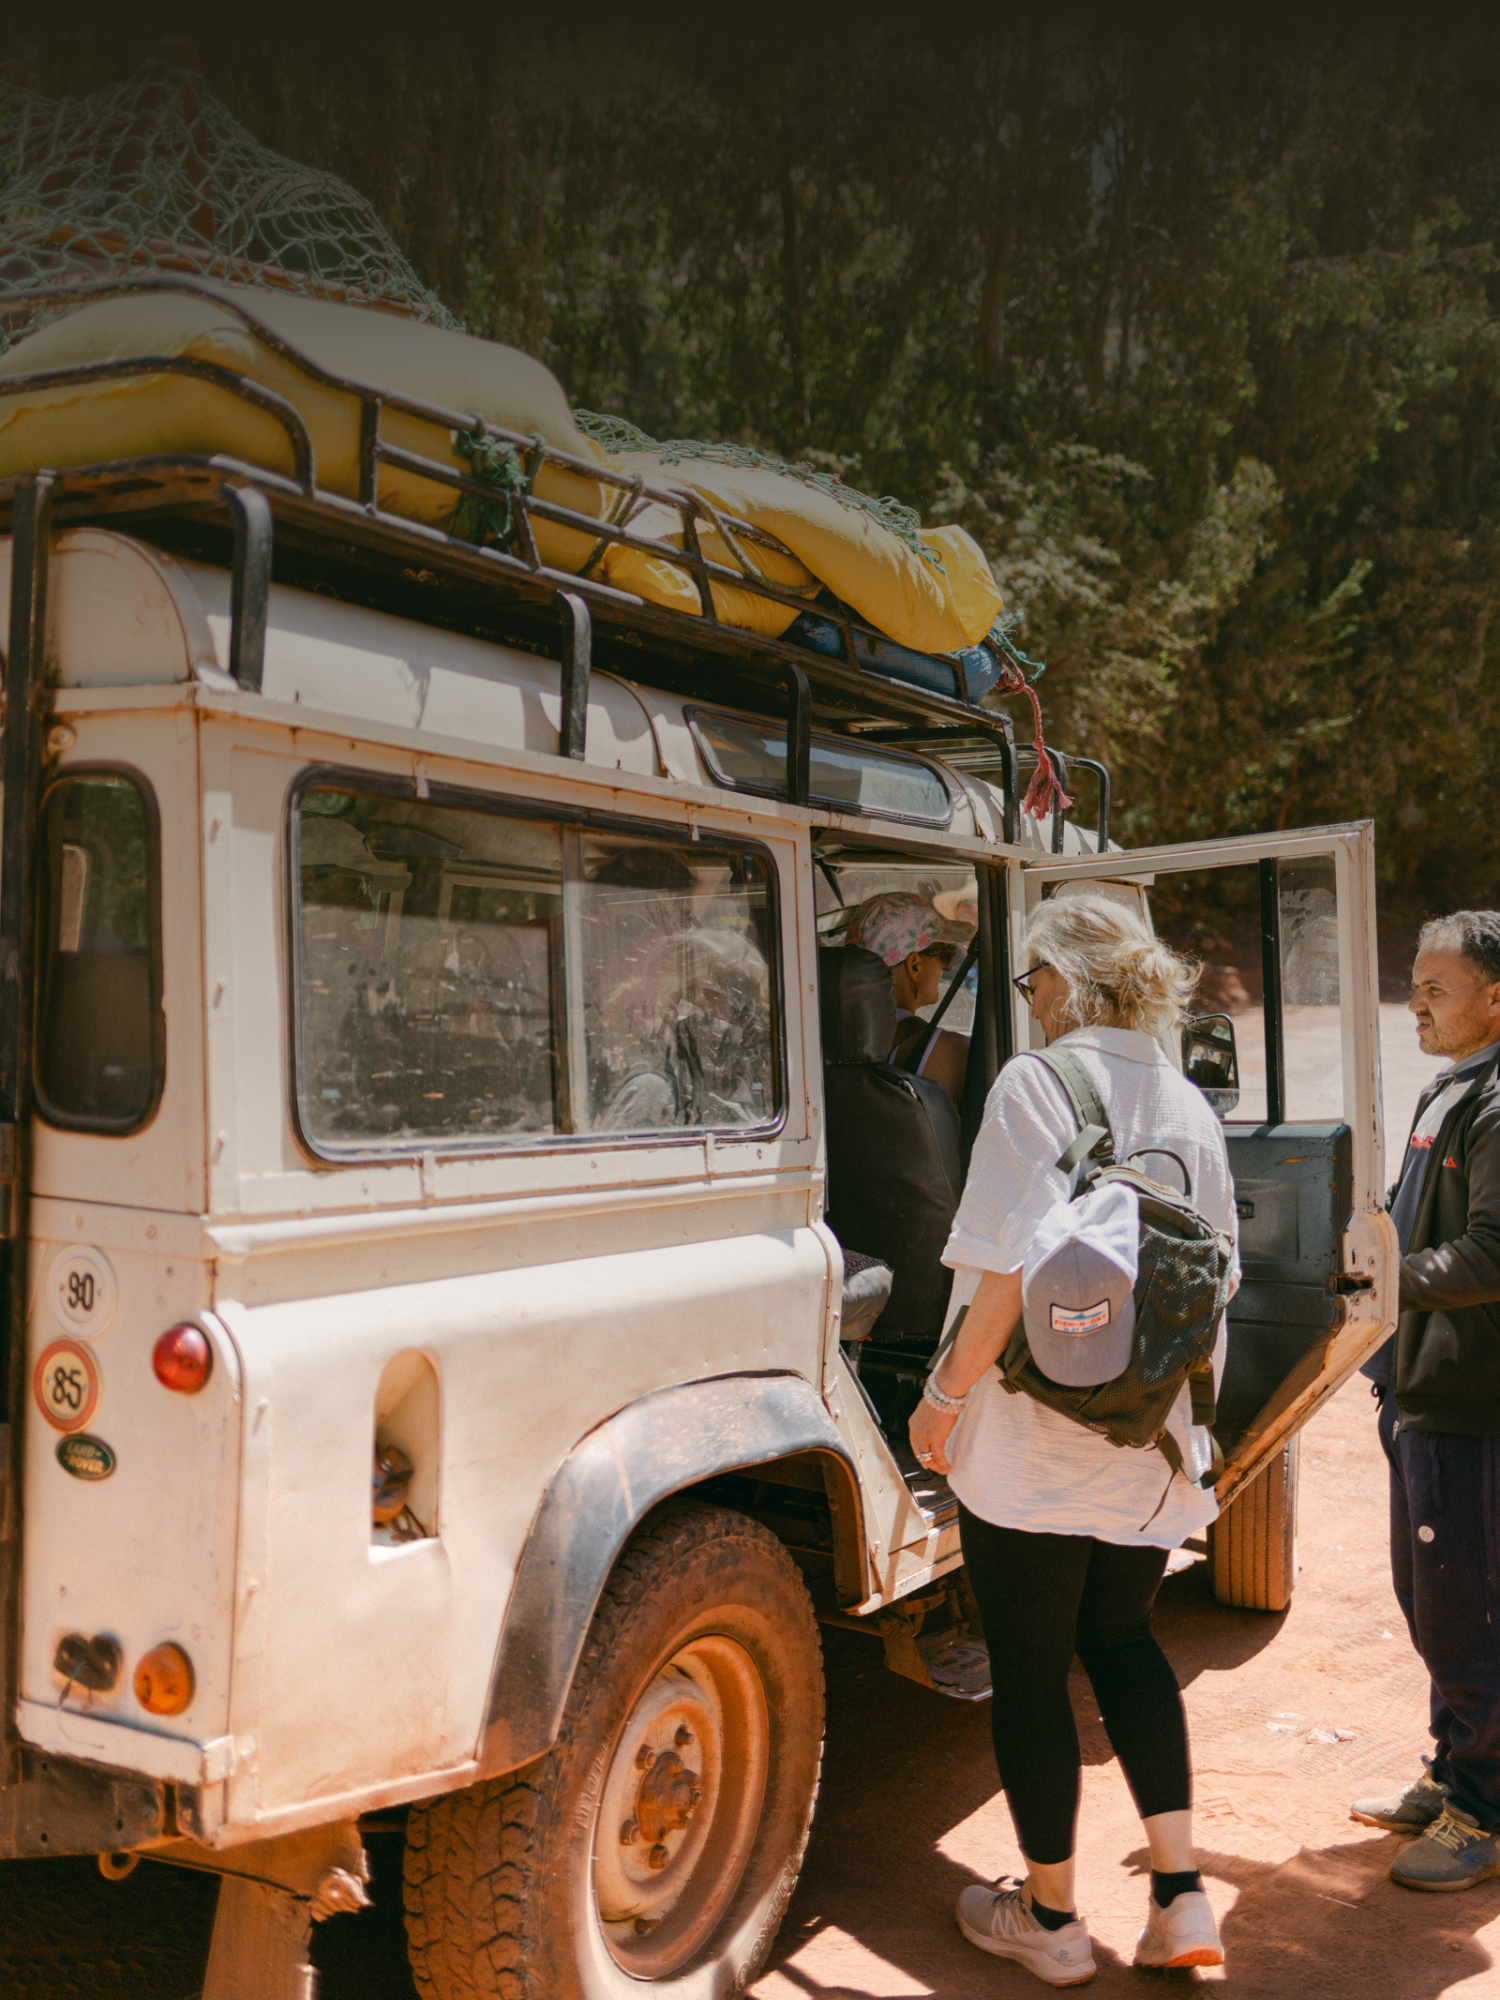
1312	1046
751	756
676	985
1213	916
842	885
98	1042
472	977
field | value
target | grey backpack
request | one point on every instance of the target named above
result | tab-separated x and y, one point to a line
1181	1289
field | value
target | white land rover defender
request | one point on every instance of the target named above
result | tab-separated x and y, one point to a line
423	1045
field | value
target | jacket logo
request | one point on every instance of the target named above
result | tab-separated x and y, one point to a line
1451	1162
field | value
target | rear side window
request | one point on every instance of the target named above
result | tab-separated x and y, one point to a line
99	1040
750	756
468	977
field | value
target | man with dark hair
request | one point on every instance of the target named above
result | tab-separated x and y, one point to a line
1438	1383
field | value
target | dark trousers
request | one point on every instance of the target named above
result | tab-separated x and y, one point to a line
1042	1598
1445	1565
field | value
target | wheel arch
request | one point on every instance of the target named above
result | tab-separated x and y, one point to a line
665	1443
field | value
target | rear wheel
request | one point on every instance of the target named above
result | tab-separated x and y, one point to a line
1252	1547
654	1849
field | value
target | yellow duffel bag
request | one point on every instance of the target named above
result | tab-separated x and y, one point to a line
662	582
933	598
137	416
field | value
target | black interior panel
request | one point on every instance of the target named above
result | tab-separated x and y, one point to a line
1294	1191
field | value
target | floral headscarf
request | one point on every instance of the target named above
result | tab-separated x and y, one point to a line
896	924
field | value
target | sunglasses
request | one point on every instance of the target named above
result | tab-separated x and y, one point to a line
1022	983
945	954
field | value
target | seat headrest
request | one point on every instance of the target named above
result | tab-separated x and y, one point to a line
857	1006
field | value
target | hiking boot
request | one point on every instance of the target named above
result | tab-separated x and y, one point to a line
1454	1853
1411	1811
1184	1933
1001	1921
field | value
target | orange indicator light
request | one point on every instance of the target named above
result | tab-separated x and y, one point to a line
164	1681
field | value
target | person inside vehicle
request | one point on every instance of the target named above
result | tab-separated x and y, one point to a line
907	935
685	1035
1066	1537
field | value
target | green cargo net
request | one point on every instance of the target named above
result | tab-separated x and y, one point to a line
614	434
155	175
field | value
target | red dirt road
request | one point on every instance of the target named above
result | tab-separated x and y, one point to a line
911	1812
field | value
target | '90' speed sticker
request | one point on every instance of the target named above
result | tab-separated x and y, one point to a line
83	1291
66	1384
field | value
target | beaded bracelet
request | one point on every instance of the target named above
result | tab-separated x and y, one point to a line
949	1405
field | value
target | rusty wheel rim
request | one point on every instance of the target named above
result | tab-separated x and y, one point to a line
679	1807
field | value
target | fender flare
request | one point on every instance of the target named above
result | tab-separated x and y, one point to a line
603	1489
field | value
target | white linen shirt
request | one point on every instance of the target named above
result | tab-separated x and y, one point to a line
1015	1462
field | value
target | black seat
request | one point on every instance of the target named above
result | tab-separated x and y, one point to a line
894	1173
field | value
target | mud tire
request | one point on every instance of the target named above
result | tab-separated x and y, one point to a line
502	1880
1252	1547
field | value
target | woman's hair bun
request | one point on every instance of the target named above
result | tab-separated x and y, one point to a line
1117	973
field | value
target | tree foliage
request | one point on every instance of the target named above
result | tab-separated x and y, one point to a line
1194	325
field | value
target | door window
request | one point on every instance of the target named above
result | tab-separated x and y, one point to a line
1307	943
99	1039
471	977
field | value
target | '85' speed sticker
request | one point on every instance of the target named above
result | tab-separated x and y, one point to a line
66	1385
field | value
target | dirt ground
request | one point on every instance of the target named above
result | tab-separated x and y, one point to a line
1291	1717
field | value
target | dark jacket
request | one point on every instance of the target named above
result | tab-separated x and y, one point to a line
1448	1338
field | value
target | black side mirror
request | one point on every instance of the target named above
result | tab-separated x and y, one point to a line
1210	1059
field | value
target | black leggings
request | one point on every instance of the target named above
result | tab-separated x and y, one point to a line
1043	1598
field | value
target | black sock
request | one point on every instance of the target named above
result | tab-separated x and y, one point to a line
1051	1920
1166	1888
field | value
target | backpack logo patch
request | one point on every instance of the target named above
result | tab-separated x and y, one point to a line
1090	1320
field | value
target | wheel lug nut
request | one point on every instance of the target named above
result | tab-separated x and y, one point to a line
657	1858
644	1758
629	1833
683	1736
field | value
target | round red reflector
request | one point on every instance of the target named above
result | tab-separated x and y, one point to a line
183	1359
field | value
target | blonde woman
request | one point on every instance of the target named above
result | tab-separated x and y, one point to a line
1066	1535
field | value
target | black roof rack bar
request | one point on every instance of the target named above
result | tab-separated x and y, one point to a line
167	484
249	584
577	661
286	414
1060	765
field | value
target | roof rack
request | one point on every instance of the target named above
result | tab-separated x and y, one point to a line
362	550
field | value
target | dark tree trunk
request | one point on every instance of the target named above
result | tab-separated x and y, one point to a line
1018	181
500	252
536	290
1116	253
791	296
992	299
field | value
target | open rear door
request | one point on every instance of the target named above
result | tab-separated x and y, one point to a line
1303	1117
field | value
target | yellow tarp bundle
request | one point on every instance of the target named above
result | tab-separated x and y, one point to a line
933	598
137	416
934	602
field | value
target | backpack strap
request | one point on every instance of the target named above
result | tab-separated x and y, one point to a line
1095	1141
1203	1413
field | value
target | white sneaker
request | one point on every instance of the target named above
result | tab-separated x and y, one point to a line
1001	1921
1184	1933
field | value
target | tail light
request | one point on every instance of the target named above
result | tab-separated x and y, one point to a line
183	1358
164	1680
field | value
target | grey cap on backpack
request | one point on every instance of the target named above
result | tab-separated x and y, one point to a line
1078	1287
